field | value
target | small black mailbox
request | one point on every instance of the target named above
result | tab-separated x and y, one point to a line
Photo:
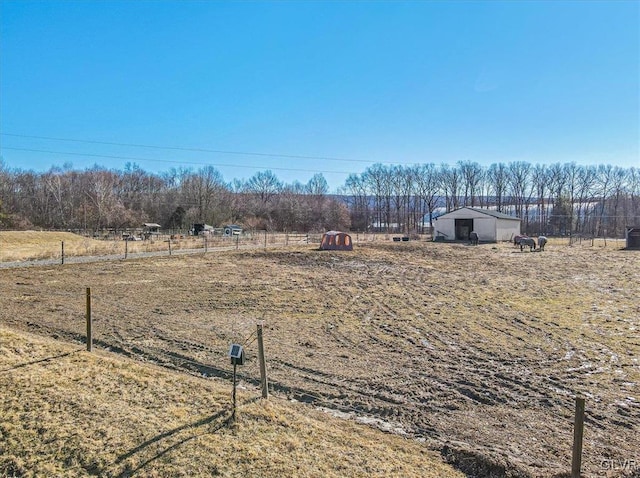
236	352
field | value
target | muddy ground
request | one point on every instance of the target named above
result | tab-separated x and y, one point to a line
478	351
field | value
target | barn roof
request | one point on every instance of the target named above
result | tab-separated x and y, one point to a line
489	212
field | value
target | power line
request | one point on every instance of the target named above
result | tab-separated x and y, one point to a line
198	150
169	161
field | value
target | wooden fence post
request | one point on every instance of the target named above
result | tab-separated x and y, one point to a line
263	364
126	249
62	256
233	414
169	246
265	238
89	322
578	431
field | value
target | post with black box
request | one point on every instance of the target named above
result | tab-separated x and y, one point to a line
236	352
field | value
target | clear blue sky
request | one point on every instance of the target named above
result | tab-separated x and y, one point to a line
364	82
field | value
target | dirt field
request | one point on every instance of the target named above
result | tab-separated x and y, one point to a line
479	351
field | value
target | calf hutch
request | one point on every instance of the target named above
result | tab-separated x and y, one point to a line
336	241
232	230
633	238
150	229
491	226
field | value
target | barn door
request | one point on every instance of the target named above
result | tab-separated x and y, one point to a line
463	229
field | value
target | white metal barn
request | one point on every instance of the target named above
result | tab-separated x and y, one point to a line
491	226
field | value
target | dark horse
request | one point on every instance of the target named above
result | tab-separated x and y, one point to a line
527	241
516	239
473	237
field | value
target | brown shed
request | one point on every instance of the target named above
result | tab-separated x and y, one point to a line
336	241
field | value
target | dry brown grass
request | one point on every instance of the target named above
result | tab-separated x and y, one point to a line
65	412
27	245
479	350
37	245
34	245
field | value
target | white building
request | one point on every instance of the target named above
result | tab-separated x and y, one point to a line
491	226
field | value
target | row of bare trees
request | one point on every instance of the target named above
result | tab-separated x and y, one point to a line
99	198
552	199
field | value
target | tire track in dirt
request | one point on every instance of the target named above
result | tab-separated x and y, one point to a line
503	376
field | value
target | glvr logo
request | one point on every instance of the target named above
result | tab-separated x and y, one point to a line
626	464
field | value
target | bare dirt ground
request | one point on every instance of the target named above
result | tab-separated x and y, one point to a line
479	351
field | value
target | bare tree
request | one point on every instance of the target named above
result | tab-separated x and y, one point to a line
317	186
5	191
633	212
205	192
358	197
428	189
98	187
584	196
316	190
401	184
498	177
292	209
472	175
377	179
540	178
264	187
618	184
605	181
450	180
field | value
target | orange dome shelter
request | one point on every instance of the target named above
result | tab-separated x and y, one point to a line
336	241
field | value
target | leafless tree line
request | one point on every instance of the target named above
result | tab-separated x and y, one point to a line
552	199
558	199
98	198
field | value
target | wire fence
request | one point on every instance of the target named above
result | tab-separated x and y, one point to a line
72	249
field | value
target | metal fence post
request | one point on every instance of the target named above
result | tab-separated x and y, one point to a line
89	322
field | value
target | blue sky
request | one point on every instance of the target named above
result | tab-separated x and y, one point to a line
354	82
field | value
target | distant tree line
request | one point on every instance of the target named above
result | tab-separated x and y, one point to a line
552	199
98	198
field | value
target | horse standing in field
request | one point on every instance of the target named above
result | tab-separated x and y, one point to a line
542	240
527	241
473	237
517	239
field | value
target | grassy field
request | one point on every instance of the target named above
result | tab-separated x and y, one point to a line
69	413
477	351
16	246
34	245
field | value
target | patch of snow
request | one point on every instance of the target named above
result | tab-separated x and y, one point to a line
385	426
382	425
